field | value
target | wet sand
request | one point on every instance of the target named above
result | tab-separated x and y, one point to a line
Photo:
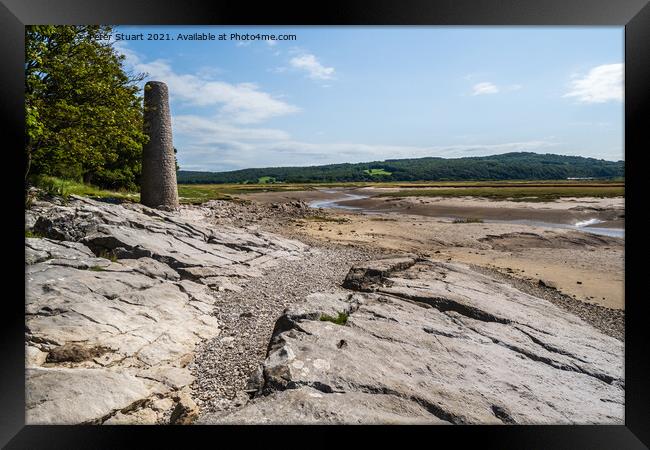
610	211
584	266
488	210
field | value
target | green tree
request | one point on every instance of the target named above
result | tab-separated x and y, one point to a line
83	110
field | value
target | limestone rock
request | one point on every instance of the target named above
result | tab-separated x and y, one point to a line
362	276
307	405
73	396
108	333
152	268
437	343
143	416
34	357
185	412
133	231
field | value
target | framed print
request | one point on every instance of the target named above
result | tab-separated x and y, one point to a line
412	218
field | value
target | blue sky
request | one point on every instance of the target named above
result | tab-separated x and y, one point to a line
354	94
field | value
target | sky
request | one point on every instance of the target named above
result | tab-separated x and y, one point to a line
358	94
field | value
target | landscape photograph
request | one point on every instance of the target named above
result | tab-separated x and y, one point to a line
279	225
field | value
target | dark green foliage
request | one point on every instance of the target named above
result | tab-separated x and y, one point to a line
341	319
83	111
509	166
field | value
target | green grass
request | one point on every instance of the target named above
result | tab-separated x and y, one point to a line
197	193
65	188
341	319
97	269
266	180
106	254
516	190
377	172
200	193
507	183
468	220
33	234
524	194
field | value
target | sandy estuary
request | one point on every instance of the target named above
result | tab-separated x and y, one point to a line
575	245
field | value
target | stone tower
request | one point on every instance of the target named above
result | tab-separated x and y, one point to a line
158	184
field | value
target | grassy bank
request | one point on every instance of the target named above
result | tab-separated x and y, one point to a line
64	188
515	190
187	193
538	193
199	193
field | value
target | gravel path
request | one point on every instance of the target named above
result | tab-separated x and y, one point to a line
222	365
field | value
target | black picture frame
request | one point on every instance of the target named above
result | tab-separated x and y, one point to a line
633	14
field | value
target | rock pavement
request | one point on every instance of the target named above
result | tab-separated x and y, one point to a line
117	299
434	343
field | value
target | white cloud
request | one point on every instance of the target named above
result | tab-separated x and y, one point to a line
487	87
601	84
204	131
228	140
209	72
355	152
484	88
310	64
242	103
230	149
131	58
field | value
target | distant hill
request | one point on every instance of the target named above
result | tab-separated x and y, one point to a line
508	166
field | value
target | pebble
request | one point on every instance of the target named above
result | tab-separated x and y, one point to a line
222	366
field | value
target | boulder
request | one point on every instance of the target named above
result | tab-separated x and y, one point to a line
133	231
73	396
117	299
364	276
436	343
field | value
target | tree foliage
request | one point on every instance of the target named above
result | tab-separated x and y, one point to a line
509	166
83	110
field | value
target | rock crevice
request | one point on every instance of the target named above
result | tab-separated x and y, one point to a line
472	364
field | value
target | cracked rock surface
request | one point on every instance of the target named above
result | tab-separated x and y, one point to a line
139	316
109	338
434	343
